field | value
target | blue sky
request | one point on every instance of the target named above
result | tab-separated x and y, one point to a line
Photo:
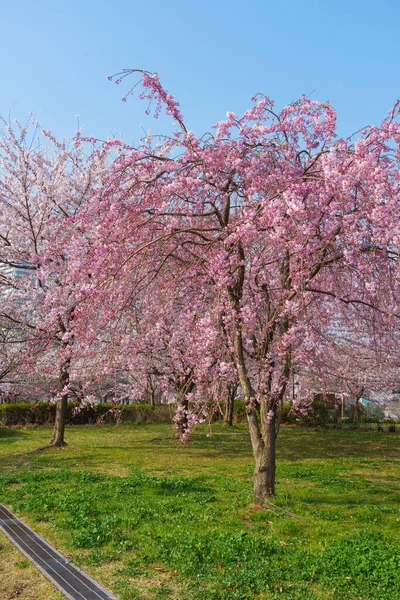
212	55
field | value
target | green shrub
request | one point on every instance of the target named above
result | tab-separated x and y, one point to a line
25	413
239	412
43	413
288	416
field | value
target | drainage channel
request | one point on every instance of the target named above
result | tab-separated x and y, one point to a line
74	583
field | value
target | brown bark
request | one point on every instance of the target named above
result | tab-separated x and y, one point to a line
150	392
263	446
263	420
230	400
265	463
261	487
181	424
57	438
356	412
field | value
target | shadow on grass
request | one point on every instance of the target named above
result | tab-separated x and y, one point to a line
132	445
303	444
299	444
11	435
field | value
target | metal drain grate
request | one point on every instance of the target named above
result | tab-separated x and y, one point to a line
71	581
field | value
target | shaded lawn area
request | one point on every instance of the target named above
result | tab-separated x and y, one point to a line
152	519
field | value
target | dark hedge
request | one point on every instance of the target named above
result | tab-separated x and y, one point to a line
42	413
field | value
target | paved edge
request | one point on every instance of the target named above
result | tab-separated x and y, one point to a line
62	558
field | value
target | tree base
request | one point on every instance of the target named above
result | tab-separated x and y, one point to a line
52	445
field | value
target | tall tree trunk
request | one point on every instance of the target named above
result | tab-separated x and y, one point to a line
181	420
357	395
356	412
265	463
263	427
263	446
230	402
57	438
150	392
264	458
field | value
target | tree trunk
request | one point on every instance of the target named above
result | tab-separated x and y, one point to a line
265	459
265	469
57	438
262	435
263	427
150	392
265	465
181	421
356	412
230	402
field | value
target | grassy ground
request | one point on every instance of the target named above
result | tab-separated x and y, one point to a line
152	519
19	578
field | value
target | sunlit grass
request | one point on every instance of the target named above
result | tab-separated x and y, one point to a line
151	518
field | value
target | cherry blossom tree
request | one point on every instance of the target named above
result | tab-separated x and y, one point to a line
43	183
269	219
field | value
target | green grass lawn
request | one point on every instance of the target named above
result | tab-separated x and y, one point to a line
152	519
